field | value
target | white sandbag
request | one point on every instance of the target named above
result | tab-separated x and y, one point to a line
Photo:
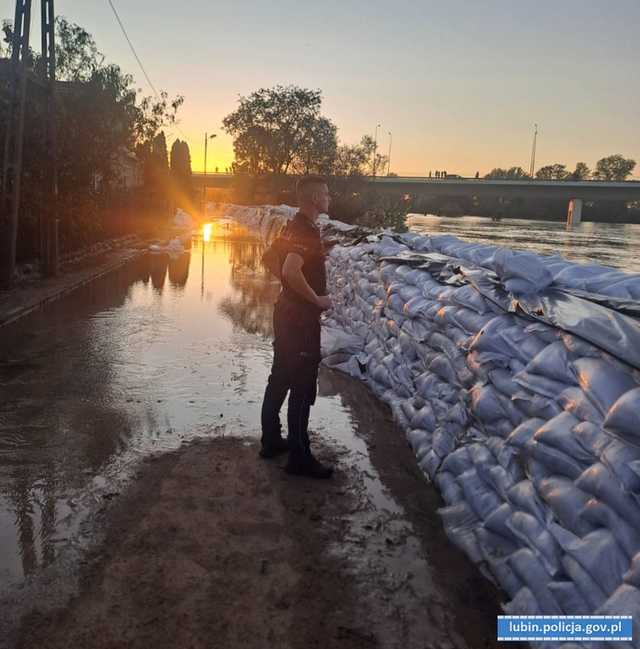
430	464
485	404
482	499
502	572
624	601
570	598
441	343
511	264
497	478
503	381
623	461
601	556
458	415
521	344
458	462
470	321
624	416
566	502
602	381
523	496
416	307
451	491
587	586
556	462
575	401
424	418
467	296
531	572
601	483
553	362
532	533
598	514
442	367
539	384
524	603
632	576
417	437
579	347
535	405
591	437
494	545
558	432
429	386
499	521
334	340
444	441
488	339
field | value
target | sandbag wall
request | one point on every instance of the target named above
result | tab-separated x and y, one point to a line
531	433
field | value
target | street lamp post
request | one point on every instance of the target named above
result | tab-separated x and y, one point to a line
204	180
375	150
532	166
389	156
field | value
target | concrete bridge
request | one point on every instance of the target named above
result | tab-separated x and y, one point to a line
573	192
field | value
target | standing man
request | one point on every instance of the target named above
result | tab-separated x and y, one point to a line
296	324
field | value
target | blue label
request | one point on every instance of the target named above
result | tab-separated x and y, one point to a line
564	628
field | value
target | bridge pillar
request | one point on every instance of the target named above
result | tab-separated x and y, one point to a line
574	214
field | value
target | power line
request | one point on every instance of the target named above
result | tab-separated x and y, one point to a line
133	49
135	54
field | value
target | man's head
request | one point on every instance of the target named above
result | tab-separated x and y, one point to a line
313	195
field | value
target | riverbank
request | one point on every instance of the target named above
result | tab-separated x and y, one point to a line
211	547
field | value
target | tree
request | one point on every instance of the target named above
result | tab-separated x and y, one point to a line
614	167
100	121
181	169
553	172
317	153
279	129
514	173
581	172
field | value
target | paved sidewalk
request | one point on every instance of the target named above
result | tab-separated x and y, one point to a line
32	294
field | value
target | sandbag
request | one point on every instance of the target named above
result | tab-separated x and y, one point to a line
591	437
623	461
451	491
624	601
570	598
554	460
531	572
603	382
539	384
553	362
558	433
481	499
524	432
601	483
458	462
566	502
599	514
632	576
485	404
532	533
624	416
524	603
575	401
523	496
588	587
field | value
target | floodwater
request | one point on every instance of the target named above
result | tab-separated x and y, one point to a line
162	351
611	244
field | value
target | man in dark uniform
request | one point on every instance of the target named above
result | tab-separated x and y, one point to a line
296	324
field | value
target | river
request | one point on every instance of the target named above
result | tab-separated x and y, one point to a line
611	244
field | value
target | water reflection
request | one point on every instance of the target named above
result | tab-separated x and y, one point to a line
611	244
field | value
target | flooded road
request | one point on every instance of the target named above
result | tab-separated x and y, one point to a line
167	350
611	244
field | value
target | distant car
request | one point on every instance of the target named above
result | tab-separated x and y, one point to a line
453	176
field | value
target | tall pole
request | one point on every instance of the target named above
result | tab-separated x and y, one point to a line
375	150
532	167
13	143
204	179
389	156
50	259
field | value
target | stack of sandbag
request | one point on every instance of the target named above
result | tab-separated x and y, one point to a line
532	434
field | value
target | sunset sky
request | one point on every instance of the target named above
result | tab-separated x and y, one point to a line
459	84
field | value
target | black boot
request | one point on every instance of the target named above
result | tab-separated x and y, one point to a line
275	448
309	467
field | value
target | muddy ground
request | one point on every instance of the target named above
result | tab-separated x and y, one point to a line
212	548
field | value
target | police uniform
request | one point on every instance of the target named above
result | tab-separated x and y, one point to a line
296	324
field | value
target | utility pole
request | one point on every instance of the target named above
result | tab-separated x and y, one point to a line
532	167
204	180
375	150
13	143
51	251
389	156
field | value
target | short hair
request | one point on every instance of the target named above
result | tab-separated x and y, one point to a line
307	184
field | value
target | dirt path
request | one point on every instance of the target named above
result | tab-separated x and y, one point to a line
211	548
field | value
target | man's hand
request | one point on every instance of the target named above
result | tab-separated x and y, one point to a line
324	302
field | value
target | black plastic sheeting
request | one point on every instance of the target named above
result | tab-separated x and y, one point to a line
605	322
